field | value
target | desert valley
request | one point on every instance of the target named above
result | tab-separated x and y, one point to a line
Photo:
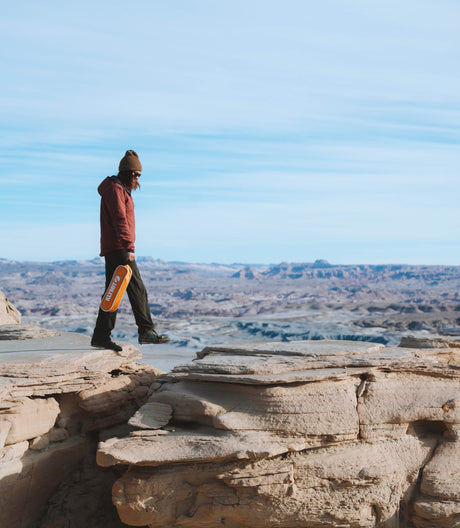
294	395
208	304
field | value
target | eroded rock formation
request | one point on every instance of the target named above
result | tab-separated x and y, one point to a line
301	434
58	397
8	312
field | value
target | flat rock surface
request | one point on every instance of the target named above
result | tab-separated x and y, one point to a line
278	363
65	362
295	348
151	415
24	331
200	445
63	352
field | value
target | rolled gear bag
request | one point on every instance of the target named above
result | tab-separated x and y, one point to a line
116	289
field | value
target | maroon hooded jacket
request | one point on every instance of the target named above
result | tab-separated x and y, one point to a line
117	217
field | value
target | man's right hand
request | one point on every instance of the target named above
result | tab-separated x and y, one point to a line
130	256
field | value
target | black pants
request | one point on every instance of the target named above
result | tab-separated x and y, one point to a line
137	295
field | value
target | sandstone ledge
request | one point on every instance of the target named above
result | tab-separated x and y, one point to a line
9	315
58	395
316	434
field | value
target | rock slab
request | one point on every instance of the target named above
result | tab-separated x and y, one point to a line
56	394
318	434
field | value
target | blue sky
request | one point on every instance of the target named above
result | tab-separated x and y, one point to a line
268	131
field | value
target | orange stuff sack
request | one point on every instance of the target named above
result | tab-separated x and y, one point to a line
116	288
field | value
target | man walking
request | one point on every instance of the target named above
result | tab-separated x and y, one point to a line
117	247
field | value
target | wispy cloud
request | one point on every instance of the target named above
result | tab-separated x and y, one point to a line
294	125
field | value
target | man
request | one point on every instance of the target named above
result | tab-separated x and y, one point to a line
117	247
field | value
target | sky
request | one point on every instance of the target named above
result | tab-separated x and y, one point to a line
268	131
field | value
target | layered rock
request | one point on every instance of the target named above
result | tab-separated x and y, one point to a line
57	397
8	312
318	434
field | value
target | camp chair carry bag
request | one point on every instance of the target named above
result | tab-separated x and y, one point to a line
116	288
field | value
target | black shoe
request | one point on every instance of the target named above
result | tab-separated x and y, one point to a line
110	345
151	337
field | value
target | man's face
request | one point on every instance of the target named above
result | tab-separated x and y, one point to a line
135	181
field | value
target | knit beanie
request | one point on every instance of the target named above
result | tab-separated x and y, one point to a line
130	162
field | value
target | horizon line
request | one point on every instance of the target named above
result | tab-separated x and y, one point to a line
318	262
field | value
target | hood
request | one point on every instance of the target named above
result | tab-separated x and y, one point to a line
108	183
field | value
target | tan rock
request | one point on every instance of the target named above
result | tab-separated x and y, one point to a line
71	416
354	485
324	434
152	415
311	410
31	418
8	313
12	452
293	435
326	408
450	356
107	396
432	513
90	389
441	476
279	363
114	401
402	398
199	445
299	361
314	350
190	401
63	364
5	426
437	348
39	443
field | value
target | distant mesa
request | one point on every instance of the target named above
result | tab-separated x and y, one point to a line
321	263
286	270
248	272
52	278
151	260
